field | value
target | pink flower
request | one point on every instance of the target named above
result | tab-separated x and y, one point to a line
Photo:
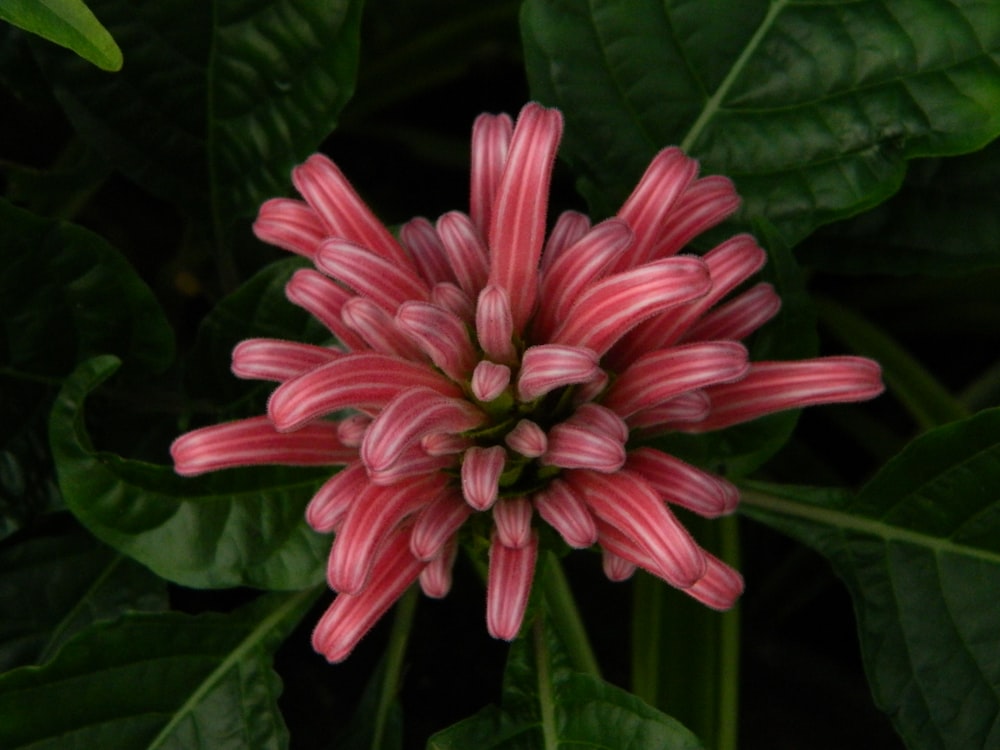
489	370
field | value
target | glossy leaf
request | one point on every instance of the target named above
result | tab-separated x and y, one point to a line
157	681
77	581
68	23
944	221
812	108
918	548
546	705
219	99
231	528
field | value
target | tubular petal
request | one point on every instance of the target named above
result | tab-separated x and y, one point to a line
387	283
441	335
659	376
357	381
489	380
378	328
707	202
549	366
341	209
527	438
290	225
436	524
681	484
685	409
350	617
567	514
517	223
600	419
508	587
408	417
491	136
719	588
279	360
330	504
375	512
413	462
570	226
495	325
351	429
481	470
610	308
450	297
574	446
466	253
324	299
435	579
616	568
776	386
628	504
512	517
254	441
738	318
421	239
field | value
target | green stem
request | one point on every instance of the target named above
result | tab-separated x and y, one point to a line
566	617
401	625
929	402
729	646
546	700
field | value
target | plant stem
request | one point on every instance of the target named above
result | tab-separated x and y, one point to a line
398	637
566	617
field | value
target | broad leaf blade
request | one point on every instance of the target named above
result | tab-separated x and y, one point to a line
919	549
156	682
812	108
68	23
238	528
78	581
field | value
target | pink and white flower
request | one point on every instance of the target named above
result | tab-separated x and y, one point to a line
485	369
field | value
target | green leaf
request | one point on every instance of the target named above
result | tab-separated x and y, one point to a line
68	23
233	528
944	221
545	705
812	108
219	99
919	550
158	681
84	581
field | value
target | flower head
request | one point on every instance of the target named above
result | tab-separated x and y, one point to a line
489	370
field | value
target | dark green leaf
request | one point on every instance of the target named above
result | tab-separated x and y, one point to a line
919	550
68	23
219	98
812	108
156	682
943	221
227	529
545	705
59	581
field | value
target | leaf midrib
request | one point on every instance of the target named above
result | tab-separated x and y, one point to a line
863	525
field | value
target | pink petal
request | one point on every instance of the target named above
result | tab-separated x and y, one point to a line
600	419
512	517
576	446
378	329
450	297
341	209
570	226
549	366
495	325
489	380
330	504
413	462
575	269
685	409
647	208
607	310
465	251
437	524
421	239
681	484
738	318
290	225
385	282
443	444
441	335
517	224
375	512
279	360
491	136
628	504
567	514
351	429
659	376
508	587
719	588
356	381
435	579
617	569
481	470
705	204
253	441
527	438
776	386
324	299
349	618
408	417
